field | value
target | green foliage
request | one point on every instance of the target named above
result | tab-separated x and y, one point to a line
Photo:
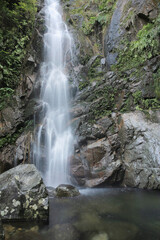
137	97
11	138
17	22
94	73
83	85
5	96
95	13
146	46
145	104
103	102
88	25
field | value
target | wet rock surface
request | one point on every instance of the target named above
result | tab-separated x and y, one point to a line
65	190
23	195
63	232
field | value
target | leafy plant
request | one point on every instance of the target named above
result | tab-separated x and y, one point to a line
17	22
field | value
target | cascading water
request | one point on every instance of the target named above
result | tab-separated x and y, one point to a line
54	144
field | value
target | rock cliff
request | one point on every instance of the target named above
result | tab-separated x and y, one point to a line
115	113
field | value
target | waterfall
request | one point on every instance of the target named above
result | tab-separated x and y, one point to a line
54	142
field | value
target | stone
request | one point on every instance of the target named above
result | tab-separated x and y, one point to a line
23	195
63	232
100	236
10	117
77	170
95	152
129	16
51	191
121	230
110	175
141	147
66	190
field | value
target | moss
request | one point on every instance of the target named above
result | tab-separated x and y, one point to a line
145	104
95	71
83	85
11	138
90	18
17	22
137	52
5	97
127	104
102	102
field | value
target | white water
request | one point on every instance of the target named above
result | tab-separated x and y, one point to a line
54	144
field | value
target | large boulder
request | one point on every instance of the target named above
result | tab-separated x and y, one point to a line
23	194
105	167
141	150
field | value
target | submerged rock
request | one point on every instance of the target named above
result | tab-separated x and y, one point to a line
63	232
65	190
100	236
23	194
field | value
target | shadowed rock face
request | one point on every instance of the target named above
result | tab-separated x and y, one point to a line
23	195
15	117
1	231
128	18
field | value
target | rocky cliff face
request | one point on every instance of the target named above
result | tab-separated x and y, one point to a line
16	115
115	112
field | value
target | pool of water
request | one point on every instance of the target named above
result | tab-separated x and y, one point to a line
97	214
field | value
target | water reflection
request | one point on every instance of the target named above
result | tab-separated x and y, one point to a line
99	214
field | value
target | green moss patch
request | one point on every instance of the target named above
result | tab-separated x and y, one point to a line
17	22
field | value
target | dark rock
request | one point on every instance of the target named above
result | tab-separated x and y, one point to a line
1	231
20	108
23	194
65	190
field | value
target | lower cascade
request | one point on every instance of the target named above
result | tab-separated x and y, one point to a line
54	144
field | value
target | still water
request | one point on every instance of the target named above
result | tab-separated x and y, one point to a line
98	214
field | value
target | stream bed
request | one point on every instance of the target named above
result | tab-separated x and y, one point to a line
97	214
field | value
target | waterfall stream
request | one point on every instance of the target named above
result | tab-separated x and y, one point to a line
54	144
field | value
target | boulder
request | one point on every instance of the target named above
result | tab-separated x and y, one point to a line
104	165
66	190
23	195
140	150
